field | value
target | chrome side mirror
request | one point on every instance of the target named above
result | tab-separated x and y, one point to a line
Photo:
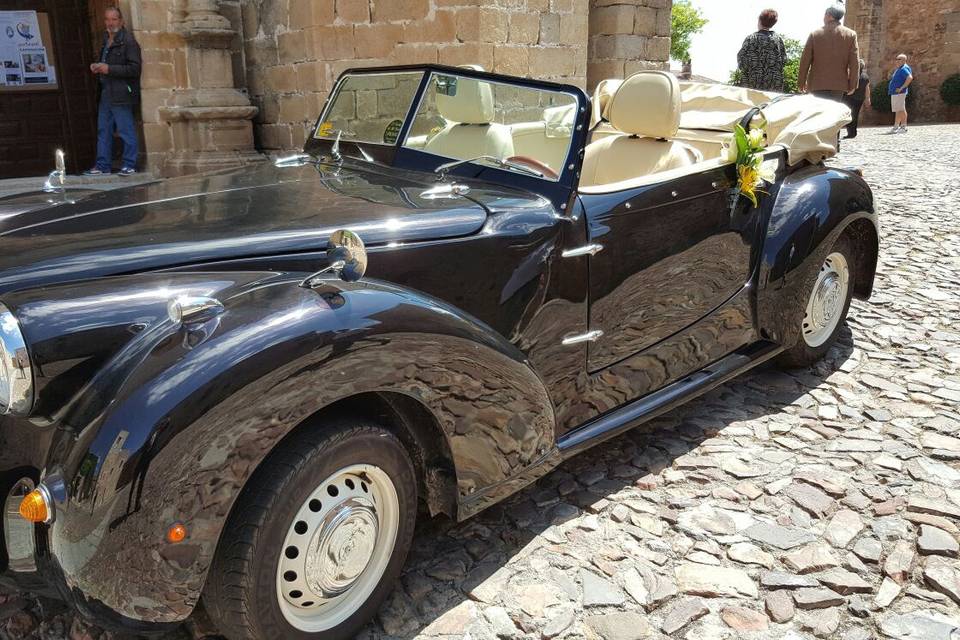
347	256
55	181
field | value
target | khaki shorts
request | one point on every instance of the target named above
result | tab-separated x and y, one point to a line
898	102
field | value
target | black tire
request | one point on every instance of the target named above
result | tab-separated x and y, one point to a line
241	590
802	354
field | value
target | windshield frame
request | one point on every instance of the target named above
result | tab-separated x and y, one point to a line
565	167
400	157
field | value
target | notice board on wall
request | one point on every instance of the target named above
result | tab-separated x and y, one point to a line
26	52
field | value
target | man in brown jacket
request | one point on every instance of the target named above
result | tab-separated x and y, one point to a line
830	64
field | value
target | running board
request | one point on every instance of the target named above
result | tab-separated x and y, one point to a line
653	404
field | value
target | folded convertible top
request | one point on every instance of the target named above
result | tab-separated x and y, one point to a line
806	125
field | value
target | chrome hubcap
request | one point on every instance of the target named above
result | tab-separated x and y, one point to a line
825	305
337	547
343	548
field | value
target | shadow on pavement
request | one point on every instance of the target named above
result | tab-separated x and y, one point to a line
449	562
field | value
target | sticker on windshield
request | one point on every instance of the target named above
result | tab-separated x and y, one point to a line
446	85
392	132
325	129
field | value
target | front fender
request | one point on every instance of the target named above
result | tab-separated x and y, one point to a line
814	206
178	418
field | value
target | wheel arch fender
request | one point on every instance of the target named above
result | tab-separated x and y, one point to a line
190	423
814	207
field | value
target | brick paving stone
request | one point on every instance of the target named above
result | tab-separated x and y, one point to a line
934	541
900	561
887	593
779	606
683	613
876	422
744	619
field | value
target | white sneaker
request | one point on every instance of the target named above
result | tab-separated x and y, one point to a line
902	130
894	130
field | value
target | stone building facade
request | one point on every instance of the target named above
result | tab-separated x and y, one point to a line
928	31
226	82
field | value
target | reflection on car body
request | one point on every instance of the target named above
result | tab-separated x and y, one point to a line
199	397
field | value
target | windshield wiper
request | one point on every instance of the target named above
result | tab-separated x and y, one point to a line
445	168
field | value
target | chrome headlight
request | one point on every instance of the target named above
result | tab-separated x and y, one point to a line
16	375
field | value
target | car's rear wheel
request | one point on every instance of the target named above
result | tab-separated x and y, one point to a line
317	538
827	304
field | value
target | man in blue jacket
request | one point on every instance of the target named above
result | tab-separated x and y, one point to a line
901	79
119	88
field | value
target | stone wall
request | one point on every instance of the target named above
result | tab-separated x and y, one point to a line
194	117
928	31
627	36
212	66
295	49
164	71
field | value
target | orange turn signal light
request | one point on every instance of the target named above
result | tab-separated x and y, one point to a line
176	533
34	507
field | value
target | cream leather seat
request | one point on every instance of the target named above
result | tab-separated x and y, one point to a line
470	130
601	98
546	140
645	109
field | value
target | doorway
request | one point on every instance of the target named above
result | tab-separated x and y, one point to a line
48	101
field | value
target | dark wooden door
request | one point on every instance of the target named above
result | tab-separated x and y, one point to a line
34	123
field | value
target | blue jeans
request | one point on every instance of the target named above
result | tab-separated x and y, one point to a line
121	117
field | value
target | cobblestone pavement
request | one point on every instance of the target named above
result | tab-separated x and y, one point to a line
811	503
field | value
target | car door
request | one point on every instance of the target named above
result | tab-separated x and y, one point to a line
672	252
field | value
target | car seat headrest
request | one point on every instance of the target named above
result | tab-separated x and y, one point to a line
646	104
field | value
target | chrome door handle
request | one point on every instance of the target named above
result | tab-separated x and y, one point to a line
586	250
589	336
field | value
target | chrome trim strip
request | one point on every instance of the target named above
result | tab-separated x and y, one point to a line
586	250
47	502
16	373
589	336
445	190
18	534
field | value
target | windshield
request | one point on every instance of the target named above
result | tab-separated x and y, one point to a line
370	107
517	128
466	118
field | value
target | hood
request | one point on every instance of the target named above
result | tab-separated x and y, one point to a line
20	203
253	211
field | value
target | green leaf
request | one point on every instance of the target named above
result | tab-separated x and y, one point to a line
740	136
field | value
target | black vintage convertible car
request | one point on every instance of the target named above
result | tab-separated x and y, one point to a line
201	397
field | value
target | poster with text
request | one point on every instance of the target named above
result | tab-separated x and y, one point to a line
24	59
19	28
35	67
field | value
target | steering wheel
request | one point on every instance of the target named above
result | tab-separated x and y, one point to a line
536	165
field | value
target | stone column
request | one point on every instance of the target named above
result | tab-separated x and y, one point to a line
210	118
627	36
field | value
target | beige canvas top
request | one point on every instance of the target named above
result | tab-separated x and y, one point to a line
807	126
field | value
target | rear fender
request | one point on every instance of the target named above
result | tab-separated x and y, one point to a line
814	206
179	417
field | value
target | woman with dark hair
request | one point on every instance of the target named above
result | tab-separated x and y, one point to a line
763	55
857	99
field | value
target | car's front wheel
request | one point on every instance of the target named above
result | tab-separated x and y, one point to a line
317	538
828	301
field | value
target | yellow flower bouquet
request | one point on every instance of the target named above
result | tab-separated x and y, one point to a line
748	152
